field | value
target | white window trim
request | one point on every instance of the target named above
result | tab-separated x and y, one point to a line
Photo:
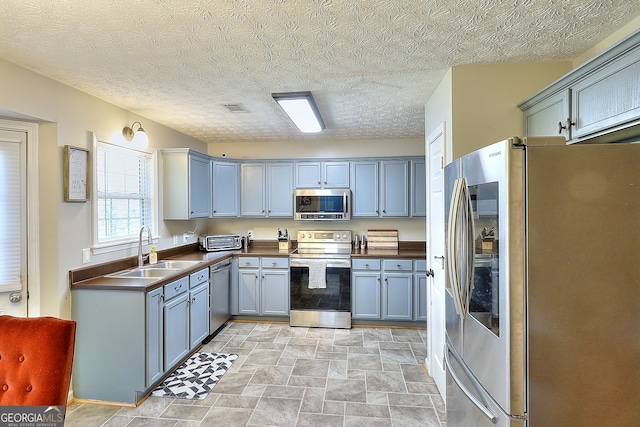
125	244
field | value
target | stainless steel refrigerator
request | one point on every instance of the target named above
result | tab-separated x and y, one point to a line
543	285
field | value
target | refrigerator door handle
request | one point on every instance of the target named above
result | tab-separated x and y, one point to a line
460	238
482	406
452	248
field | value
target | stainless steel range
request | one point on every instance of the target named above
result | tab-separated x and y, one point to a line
320	280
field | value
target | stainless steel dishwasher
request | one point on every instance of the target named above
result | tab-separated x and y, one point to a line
220	285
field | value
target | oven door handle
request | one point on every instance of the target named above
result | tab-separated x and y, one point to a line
304	262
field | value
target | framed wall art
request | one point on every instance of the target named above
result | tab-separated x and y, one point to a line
75	174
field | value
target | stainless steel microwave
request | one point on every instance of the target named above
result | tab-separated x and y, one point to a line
220	242
322	205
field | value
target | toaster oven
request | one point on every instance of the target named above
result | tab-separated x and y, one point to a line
220	242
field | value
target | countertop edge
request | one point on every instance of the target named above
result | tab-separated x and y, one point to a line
101	282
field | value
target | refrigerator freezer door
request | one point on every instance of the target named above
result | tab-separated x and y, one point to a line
468	404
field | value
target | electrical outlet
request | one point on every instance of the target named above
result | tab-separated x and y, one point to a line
86	255
250	234
185	238
175	239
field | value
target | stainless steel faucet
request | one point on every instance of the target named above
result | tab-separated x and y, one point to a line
141	258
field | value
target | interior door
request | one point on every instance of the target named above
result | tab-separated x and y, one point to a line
13	225
435	258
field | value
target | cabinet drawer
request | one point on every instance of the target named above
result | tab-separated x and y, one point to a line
199	277
176	288
398	265
420	264
248	262
275	262
365	264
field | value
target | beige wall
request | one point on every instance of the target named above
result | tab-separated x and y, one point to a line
478	103
485	99
322	150
68	117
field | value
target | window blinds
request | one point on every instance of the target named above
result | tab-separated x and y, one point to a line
11	216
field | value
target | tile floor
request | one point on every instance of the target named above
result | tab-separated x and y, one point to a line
297	376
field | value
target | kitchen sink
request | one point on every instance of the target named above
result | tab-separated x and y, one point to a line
172	264
146	273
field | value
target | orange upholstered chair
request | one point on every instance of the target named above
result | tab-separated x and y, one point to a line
36	355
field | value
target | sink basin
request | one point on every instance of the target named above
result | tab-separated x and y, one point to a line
172	264
147	273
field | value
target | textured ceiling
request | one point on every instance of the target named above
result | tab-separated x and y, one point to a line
371	65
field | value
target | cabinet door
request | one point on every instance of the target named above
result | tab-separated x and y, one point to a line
275	292
335	175
308	175
226	191
420	297
394	188
155	327
280	190
397	300
365	295
198	314
608	97
249	291
199	186
176	330
253	187
542	119
364	189
418	188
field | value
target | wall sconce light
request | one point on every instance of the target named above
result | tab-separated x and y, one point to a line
139	136
301	109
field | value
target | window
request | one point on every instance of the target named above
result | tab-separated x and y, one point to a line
124	194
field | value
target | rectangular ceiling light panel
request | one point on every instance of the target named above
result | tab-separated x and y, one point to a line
301	109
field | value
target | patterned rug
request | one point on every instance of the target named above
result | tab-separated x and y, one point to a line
195	378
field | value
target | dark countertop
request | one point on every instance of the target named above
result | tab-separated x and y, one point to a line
95	277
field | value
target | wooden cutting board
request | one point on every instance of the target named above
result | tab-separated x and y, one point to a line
382	239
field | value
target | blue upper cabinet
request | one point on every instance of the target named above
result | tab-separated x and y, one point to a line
322	175
380	188
364	189
226	189
394	188
187	184
253	183
267	189
418	198
598	101
280	189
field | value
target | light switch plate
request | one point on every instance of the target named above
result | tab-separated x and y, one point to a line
86	255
